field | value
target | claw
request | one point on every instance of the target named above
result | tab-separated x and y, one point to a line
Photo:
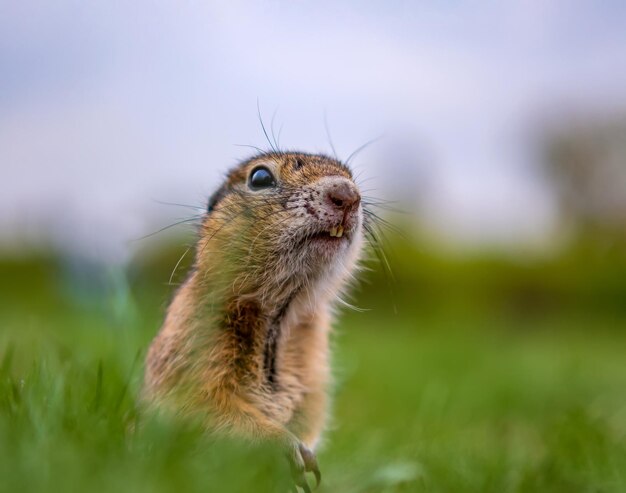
302	460
303	484
318	477
310	464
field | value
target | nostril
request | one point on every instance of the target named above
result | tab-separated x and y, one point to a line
343	195
336	201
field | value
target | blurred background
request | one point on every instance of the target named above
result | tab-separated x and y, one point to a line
490	356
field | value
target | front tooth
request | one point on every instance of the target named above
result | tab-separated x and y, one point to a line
339	231
333	231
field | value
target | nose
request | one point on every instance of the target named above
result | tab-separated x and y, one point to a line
343	194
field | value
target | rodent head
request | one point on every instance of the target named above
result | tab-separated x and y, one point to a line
284	218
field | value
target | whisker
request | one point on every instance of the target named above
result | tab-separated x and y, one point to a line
359	149
330	139
367	190
386	208
177	264
179	205
191	219
272	128
280	131
267	137
258	149
381	256
369	178
352	307
378	200
383	222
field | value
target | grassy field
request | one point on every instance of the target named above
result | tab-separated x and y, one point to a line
444	402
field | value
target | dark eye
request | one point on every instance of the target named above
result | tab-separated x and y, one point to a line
261	178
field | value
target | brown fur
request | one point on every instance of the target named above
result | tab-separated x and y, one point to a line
245	340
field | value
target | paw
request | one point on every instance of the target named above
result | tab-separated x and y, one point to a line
302	460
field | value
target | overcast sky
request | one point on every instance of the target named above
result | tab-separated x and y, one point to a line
106	106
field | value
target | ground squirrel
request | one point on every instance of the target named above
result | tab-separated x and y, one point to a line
245	339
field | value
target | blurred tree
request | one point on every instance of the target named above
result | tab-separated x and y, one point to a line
586	164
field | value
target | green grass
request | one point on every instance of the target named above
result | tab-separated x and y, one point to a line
437	403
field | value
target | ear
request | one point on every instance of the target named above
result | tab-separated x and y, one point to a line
217	196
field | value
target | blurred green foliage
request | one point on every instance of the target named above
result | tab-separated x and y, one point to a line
464	374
